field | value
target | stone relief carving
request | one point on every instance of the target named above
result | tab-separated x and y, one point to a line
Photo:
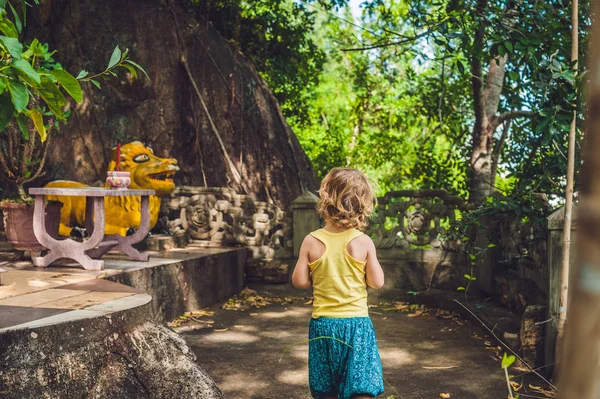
413	218
218	216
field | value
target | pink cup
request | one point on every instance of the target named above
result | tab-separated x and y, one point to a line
118	180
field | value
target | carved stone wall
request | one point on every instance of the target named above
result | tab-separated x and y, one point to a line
407	228
220	217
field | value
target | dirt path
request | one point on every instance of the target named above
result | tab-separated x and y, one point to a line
424	356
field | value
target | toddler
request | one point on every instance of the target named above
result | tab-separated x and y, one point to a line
339	261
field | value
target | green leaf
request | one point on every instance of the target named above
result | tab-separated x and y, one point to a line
7	27
138	67
491	245
23	126
460	66
460	289
507	361
7	110
82	74
38	122
513	75
468	276
509	46
2	85
12	45
114	58
69	83
473	257
18	23
53	97
26	71
131	70
95	82
18	94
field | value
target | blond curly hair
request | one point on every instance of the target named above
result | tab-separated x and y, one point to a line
347	198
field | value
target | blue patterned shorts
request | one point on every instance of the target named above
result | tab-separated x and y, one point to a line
346	368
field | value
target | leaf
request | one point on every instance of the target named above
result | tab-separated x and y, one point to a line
138	66
509	46
38	122
460	288
18	23
12	45
82	74
26	71
131	70
468	276
491	245
69	83
114	58
95	82
473	257
7	110
507	361
23	126
53	97
18	94
513	75
8	28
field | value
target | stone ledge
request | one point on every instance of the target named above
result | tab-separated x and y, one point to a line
82	345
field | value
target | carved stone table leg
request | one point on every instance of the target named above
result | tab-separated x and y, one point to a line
68	248
124	244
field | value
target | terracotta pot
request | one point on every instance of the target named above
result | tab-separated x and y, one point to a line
18	223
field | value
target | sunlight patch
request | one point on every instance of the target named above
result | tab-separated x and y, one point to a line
231	336
393	357
293	377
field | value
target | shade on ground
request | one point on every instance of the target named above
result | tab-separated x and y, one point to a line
422	356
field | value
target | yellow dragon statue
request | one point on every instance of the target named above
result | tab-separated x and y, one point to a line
147	171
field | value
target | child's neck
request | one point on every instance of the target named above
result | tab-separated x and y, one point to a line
333	228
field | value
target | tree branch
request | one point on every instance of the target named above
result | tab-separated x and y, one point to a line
408	39
476	68
507	116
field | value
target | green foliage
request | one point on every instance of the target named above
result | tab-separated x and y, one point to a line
32	95
275	35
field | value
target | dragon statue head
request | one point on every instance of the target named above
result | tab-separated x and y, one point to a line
147	171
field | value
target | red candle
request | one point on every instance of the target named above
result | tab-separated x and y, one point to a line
118	167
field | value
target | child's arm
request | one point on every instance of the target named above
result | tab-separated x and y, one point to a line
375	278
301	275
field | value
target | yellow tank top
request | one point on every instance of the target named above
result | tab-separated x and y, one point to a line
339	281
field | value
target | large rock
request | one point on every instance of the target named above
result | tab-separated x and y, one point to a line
115	357
165	111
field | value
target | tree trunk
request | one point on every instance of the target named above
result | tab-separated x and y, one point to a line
580	355
564	286
486	104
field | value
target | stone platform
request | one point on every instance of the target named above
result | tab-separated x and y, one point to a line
68	332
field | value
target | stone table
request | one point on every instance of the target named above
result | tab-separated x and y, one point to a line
97	244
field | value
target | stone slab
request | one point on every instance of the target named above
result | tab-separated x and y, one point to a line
39	298
88	192
15	315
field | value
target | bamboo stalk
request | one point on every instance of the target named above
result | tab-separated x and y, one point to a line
566	247
580	366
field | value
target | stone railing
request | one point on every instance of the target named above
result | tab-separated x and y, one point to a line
413	218
218	217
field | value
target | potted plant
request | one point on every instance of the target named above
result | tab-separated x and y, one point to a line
33	95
